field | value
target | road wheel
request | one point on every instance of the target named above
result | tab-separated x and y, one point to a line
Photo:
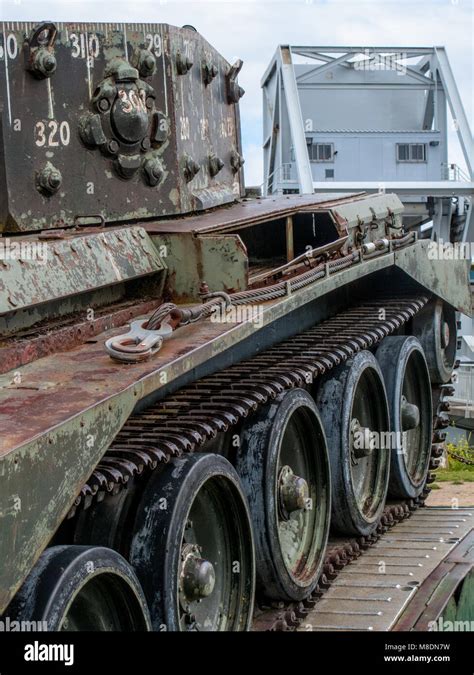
284	468
354	411
407	383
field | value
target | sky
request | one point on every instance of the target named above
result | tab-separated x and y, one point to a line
251	30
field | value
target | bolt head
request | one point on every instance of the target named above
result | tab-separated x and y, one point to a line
44	63
104	104
183	63
54	179
236	161
215	164
49	63
191	168
113	147
153	170
148	64
293	489
48	180
127	165
199	577
209	72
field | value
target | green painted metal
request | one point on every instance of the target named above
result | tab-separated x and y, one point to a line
448	279
369	220
460	607
36	270
38	480
219	260
125	103
465	603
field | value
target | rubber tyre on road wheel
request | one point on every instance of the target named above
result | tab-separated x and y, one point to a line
359	487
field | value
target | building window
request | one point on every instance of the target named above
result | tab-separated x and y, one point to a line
329	173
320	152
411	152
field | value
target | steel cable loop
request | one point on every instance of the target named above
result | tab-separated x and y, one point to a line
160	314
195	313
182	316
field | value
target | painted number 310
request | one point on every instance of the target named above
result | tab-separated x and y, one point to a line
52	134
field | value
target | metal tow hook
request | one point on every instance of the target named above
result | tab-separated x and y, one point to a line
139	344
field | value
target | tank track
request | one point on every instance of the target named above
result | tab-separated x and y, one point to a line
197	413
341	551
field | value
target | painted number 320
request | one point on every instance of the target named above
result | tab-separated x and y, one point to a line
52	134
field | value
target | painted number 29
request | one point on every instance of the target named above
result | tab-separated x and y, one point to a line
154	43
52	134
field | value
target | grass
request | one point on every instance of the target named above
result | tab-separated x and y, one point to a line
457	472
456	477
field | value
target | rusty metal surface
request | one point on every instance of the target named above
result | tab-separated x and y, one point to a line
85	376
112	117
76	263
35	499
54	337
53	390
68	453
370	208
218	259
249	212
394	575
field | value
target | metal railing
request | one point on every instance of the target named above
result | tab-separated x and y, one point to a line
281	174
453	172
464	386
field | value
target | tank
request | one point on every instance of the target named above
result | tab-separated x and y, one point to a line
209	403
